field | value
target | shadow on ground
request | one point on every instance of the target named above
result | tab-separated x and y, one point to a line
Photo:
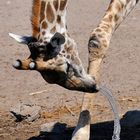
130	130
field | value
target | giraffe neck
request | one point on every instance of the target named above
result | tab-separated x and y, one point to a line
48	17
115	14
101	36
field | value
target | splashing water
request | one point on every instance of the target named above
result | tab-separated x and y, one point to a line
117	128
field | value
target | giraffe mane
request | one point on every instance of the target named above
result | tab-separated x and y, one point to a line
36	6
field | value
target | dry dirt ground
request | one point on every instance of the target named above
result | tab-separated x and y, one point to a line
120	70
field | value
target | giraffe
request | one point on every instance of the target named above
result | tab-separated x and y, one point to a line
54	53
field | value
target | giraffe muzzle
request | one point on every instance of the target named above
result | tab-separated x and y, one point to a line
42	59
80	84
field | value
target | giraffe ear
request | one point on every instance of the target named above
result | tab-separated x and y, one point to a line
57	40
22	39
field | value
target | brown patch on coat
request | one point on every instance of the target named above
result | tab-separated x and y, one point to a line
109	8
116	18
68	56
55	3
43	33
108	18
35	17
42	10
105	28
63	4
75	58
127	1
45	42
100	36
98	30
50	13
64	34
69	49
58	19
104	43
112	1
63	51
53	30
38	37
118	6
44	25
41	40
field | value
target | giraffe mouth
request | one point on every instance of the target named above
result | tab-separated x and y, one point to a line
71	79
81	84
76	80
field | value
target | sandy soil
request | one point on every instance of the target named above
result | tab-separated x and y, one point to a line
120	70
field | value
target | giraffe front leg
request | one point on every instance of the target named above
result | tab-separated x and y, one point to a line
97	45
82	130
97	48
101	36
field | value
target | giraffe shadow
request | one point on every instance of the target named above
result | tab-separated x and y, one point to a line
130	130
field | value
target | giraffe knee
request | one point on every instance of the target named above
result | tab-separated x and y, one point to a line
97	47
94	42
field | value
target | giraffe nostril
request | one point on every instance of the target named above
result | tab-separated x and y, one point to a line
32	65
17	64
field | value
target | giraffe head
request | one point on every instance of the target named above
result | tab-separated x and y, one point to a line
54	66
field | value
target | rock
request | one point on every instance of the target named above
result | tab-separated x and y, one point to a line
26	112
53	127
131	119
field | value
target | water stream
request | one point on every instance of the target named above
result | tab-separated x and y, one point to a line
117	128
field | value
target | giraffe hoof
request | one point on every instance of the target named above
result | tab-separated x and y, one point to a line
17	64
32	66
